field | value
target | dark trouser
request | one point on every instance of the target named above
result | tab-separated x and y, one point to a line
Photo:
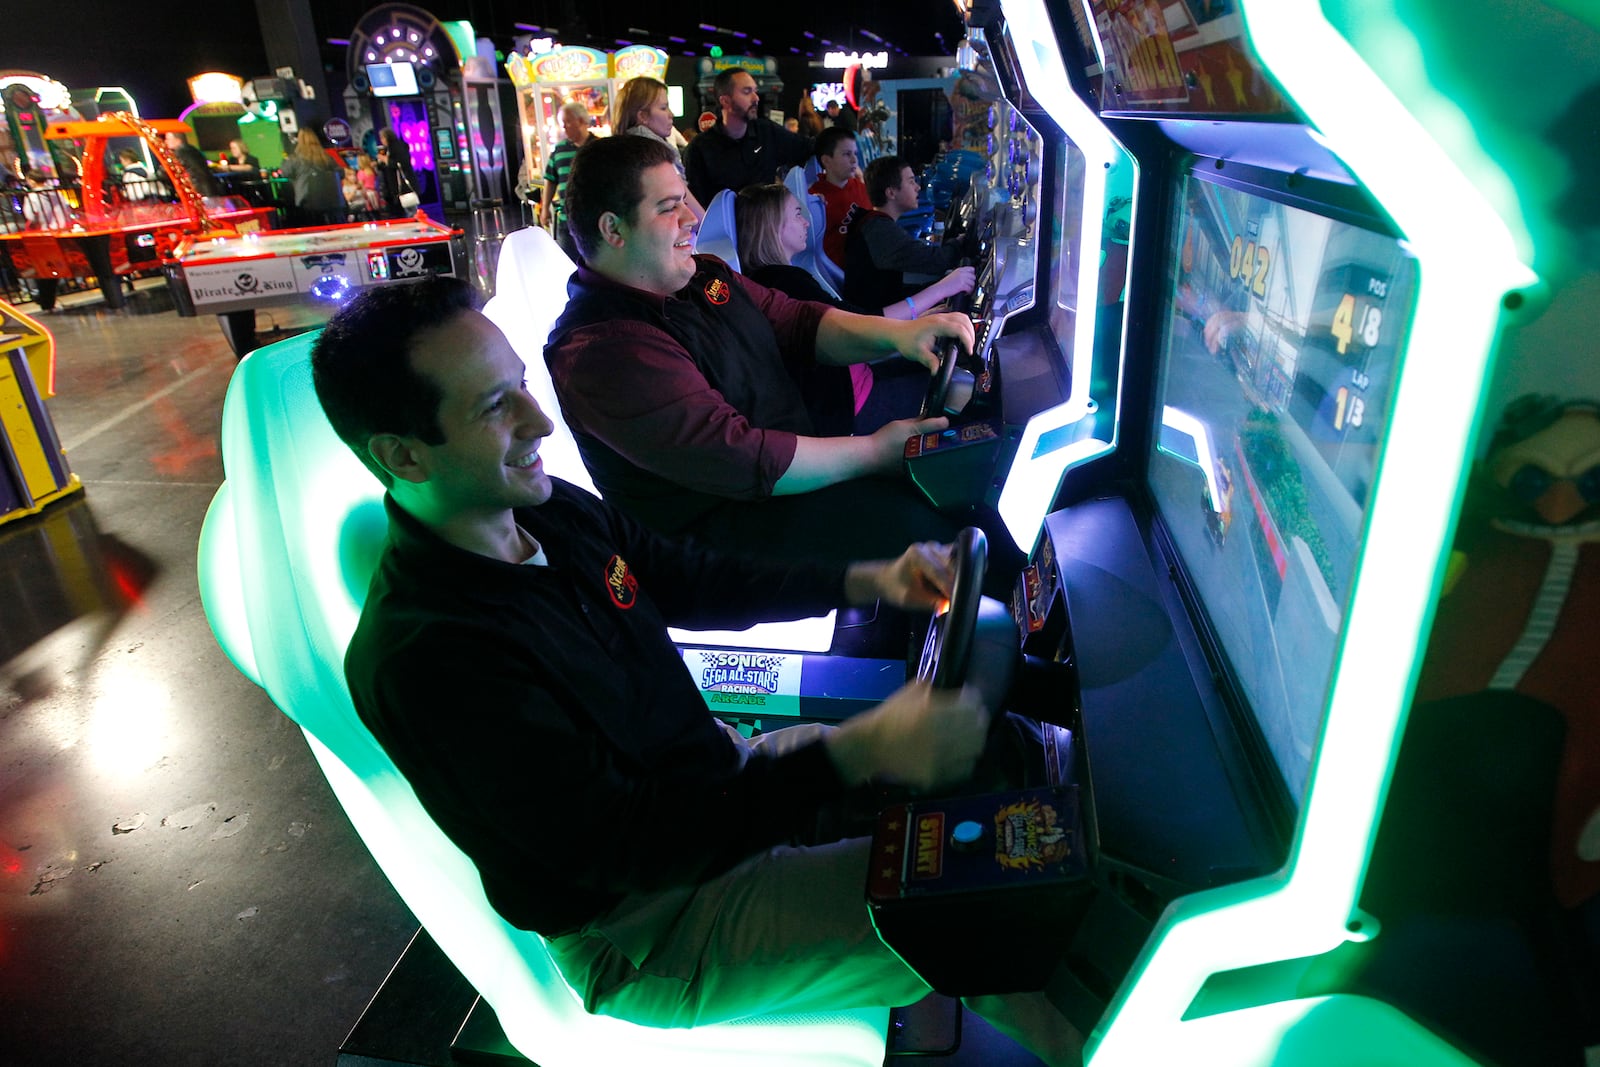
862	519
898	389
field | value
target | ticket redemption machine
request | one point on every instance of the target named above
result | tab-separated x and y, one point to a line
405	72
31	102
547	80
1231	352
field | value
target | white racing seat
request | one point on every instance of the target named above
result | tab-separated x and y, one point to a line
719	233
828	275
530	291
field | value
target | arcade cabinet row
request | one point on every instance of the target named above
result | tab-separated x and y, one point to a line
1228	368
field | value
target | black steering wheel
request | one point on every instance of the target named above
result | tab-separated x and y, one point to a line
939	385
947	653
933	404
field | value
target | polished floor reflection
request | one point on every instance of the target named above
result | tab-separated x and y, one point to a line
177	884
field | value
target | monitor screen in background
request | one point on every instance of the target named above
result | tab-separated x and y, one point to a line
1283	329
392	79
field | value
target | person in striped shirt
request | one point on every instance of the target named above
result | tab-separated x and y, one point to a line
575	124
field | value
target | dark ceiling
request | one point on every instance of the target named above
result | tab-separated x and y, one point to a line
153	47
931	27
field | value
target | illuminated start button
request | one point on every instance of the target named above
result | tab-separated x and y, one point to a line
967	836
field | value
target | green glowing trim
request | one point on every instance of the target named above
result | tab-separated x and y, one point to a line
1467	261
463	36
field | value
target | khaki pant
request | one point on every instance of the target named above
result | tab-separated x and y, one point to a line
784	932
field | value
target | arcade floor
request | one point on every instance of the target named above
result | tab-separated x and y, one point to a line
177	883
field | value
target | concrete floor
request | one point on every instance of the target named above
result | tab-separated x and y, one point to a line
177	883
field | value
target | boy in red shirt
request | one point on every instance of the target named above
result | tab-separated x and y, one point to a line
840	186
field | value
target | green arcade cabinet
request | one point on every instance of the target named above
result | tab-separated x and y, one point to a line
1285	378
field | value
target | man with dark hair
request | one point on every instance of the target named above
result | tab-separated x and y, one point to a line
843	193
513	660
364	377
742	148
205	183
878	252
678	379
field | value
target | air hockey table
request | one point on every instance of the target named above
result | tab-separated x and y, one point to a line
231	276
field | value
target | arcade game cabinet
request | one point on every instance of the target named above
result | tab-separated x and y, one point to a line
410	72
1255	346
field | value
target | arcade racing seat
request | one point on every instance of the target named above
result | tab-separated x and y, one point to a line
285	554
719	234
828	274
530	292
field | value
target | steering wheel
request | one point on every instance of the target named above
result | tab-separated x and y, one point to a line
939	384
933	404
947	653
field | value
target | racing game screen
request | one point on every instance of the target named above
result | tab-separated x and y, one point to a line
1283	328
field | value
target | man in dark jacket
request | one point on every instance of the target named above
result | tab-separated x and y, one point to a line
205	183
513	660
878	254
743	148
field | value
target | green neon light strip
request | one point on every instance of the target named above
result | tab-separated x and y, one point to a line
1467	262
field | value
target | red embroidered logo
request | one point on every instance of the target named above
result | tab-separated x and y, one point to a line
620	583
717	292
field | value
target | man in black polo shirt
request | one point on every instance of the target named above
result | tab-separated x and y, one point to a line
679	379
512	659
742	148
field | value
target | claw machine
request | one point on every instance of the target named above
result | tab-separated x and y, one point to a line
546	81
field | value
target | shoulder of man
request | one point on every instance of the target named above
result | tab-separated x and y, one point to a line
867	219
710	140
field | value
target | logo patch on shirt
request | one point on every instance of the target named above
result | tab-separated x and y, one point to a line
717	291
620	583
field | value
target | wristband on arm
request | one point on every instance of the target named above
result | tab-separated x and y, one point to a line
912	305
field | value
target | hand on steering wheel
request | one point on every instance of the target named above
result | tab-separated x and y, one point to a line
939	384
947	653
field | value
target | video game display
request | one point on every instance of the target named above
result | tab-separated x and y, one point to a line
1281	337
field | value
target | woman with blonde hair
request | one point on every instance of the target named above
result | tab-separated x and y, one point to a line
773	228
318	195
810	121
642	111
